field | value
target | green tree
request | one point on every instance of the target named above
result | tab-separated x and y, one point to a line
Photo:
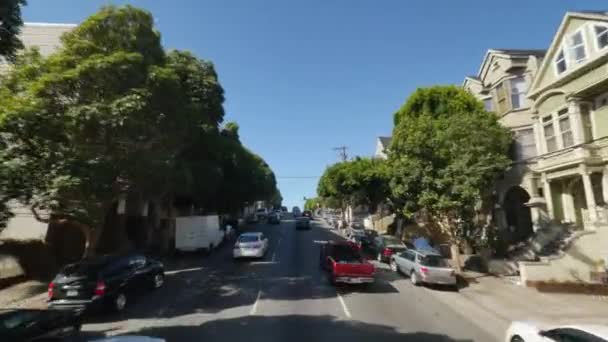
313	203
110	113
445	153
361	181
10	27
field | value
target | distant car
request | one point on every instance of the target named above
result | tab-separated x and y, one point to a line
423	267
250	245
386	245
274	218
358	225
106	282
296	211
302	222
345	264
307	213
284	210
534	332
39	325
261	214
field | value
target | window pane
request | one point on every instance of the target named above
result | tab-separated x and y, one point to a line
549	131
561	66
551	144
487	103
579	53
576	47
601	32
564	124
568	139
576	39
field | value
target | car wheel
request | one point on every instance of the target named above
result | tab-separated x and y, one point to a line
120	302
517	338
158	280
414	278
394	267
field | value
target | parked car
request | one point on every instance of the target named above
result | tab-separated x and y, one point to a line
36	325
423	267
534	332
274	218
345	264
368	238
307	213
106	282
357	241
250	245
296	211
302	222
386	245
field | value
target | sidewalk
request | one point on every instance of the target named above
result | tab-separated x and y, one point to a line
30	294
508	302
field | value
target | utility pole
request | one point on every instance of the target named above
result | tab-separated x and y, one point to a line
342	152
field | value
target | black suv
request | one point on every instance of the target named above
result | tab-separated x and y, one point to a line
104	282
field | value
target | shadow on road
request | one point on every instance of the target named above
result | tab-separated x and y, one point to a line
288	328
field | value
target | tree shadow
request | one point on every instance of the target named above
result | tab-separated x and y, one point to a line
291	328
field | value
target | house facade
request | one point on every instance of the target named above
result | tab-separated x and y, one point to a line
502	84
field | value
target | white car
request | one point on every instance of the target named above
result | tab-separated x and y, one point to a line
250	245
533	332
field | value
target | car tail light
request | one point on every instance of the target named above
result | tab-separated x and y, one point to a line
424	270
387	252
100	288
51	288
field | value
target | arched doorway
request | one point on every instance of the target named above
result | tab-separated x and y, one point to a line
517	214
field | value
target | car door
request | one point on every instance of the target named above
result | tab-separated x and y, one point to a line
141	271
400	260
409	258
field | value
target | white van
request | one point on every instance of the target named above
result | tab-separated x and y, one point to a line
193	233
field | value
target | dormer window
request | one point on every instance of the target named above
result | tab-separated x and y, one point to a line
601	34
576	47
560	62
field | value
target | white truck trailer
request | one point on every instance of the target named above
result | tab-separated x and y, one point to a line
193	233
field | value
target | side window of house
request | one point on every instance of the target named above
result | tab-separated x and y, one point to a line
576	47
601	35
487	103
518	92
501	98
549	134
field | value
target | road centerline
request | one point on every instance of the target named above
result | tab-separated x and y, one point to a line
254	308
344	307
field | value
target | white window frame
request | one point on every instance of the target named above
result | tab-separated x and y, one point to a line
570	56
522	95
596	37
565	59
543	125
565	116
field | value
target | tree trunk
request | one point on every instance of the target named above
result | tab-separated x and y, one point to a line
455	252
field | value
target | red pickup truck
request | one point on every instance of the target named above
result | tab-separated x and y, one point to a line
345	264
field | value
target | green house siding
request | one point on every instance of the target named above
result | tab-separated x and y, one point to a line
551	104
600	117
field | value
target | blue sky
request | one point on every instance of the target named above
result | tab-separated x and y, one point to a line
302	77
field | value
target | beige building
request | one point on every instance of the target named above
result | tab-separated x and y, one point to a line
502	84
46	37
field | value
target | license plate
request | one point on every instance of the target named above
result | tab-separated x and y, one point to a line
355	281
72	293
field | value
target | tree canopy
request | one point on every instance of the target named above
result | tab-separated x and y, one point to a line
10	27
445	153
112	113
361	181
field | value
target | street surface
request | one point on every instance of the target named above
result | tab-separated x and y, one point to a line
285	297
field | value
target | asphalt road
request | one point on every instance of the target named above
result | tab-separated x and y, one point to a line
284	297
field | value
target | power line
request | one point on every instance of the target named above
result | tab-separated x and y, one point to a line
342	152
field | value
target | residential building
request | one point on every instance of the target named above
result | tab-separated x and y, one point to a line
46	37
502	84
570	106
382	144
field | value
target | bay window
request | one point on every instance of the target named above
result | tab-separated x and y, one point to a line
501	98
518	92
549	133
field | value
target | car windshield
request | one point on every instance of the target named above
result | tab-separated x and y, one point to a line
248	238
392	241
433	261
343	253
